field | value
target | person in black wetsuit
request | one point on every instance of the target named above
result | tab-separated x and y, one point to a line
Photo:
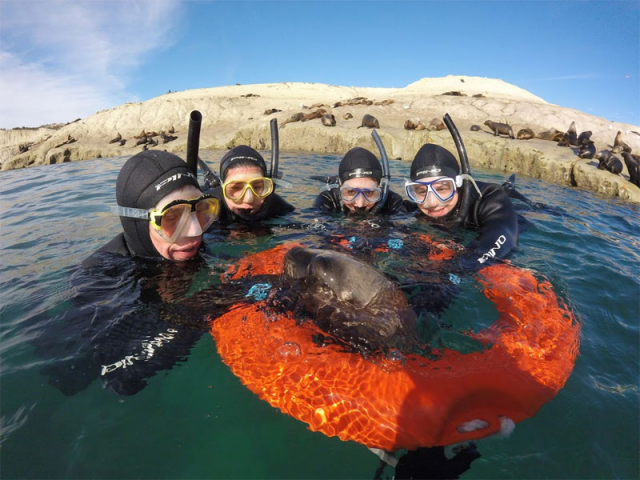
434	190
247	194
359	190
127	317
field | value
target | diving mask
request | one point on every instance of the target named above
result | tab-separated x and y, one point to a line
349	194
172	221
443	188
235	190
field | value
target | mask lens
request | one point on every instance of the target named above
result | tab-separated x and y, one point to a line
349	194
444	188
206	212
171	222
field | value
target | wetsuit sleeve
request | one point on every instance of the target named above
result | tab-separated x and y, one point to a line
328	201
279	206
117	246
394	204
498	223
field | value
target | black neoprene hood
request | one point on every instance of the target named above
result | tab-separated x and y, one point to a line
144	180
238	155
434	161
359	162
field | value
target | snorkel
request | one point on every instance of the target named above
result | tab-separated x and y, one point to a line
211	180
386	175
275	152
193	141
465	197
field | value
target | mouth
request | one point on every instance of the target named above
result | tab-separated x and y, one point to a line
188	247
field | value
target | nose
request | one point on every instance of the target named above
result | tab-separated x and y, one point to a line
432	200
193	226
360	201
248	196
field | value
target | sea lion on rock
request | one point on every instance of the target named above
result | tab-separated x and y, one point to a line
369	121
436	124
478	95
293	118
565	141
619	145
167	138
328	120
475	128
587	150
313	115
584	138
409	125
350	300
525	134
633	167
500	128
117	139
421	126
609	162
269	111
347	116
384	102
553	134
122	142
455	94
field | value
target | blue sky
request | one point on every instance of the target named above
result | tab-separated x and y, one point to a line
62	60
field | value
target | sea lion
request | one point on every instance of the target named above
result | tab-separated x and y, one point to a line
633	167
140	135
347	116
122	142
384	102
436	124
619	145
572	135
475	128
293	118
142	141
409	125
317	105
525	134
608	161
553	134
269	111
421	126
565	141
328	120
369	121
313	115
478	95
584	138
171	131
117	139
499	128
350	300
69	139
167	138
587	150
455	94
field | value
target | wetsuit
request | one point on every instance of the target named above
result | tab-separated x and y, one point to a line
330	201
493	215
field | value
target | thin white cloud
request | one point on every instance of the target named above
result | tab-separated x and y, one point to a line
60	60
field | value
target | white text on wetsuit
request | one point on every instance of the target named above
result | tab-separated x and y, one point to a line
147	352
492	253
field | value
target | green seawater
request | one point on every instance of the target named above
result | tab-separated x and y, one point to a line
198	421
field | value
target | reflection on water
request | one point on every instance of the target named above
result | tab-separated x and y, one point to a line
198	421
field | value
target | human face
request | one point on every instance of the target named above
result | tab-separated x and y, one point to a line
249	204
360	201
186	246
433	207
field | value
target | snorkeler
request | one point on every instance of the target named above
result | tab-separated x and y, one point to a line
359	188
162	209
444	196
247	193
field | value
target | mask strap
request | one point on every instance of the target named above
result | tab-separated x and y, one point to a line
465	176
130	212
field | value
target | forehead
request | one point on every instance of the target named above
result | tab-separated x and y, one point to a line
187	192
243	173
362	182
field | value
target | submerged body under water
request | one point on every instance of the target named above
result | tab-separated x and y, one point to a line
191	418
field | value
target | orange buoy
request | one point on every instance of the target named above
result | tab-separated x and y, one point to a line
413	401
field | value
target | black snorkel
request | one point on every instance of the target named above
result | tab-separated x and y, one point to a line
386	175
210	179
465	197
193	141
275	152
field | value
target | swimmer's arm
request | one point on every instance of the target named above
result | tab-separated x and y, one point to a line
328	202
498	225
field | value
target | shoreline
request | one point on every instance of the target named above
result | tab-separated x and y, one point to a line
235	115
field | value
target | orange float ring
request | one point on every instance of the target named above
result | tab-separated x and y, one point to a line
414	402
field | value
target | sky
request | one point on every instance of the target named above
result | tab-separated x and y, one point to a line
63	60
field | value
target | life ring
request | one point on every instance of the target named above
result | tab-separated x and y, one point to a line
416	401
